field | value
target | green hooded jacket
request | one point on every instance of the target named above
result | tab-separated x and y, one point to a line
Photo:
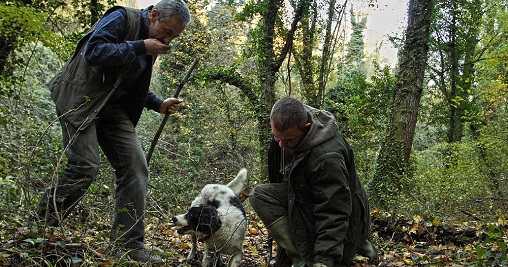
328	206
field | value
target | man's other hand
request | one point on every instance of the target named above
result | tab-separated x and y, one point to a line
170	105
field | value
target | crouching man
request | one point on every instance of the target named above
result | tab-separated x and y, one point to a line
315	207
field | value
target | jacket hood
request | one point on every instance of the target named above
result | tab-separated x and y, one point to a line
323	127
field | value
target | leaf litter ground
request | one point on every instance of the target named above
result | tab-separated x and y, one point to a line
419	241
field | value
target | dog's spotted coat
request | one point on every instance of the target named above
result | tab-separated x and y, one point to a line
217	218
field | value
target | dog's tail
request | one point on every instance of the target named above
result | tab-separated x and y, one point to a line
238	183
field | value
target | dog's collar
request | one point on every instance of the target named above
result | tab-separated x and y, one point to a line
206	237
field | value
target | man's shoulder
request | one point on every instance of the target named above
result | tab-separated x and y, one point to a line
117	9
131	9
334	145
122	11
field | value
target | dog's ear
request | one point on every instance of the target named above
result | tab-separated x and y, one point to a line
238	183
209	221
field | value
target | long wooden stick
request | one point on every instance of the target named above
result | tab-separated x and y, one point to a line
166	117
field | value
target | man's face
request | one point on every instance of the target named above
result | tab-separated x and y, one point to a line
164	31
289	138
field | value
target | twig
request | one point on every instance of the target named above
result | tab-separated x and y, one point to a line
470	214
389	241
75	246
166	117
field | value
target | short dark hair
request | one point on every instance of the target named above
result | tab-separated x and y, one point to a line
173	8
287	113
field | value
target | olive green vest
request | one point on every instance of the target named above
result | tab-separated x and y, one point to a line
79	90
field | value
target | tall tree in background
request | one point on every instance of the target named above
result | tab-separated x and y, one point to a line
394	157
492	72
356	46
315	69
456	35
351	87
270	43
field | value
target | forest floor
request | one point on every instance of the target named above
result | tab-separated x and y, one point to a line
418	241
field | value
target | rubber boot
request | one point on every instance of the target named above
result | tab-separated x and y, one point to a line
368	250
281	233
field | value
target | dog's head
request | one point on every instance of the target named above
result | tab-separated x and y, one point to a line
215	194
201	219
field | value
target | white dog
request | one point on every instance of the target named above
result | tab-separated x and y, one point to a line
217	218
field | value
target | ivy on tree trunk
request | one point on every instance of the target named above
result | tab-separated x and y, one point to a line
393	161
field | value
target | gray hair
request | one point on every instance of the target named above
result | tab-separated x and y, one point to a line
287	113
173	8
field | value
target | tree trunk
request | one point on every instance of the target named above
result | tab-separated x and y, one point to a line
393	160
324	68
268	68
303	56
454	101
262	97
94	11
313	91
464	38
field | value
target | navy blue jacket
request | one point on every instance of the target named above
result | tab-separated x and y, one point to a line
108	48
109	66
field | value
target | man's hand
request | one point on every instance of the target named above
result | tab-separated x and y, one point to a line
170	105
155	47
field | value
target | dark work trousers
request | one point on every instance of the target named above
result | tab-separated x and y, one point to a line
270	201
116	136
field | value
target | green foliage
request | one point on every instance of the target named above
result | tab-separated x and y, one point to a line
451	178
491	248
16	20
83	9
361	108
9	188
22	25
250	10
29	141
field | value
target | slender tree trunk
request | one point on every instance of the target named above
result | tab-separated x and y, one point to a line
94	11
269	65
454	124
393	160
314	90
6	47
324	69
303	56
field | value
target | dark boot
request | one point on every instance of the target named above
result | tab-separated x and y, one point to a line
141	255
280	232
368	250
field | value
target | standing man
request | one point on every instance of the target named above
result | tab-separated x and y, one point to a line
100	93
315	207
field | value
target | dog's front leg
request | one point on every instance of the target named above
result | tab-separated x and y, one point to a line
208	257
194	248
236	260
